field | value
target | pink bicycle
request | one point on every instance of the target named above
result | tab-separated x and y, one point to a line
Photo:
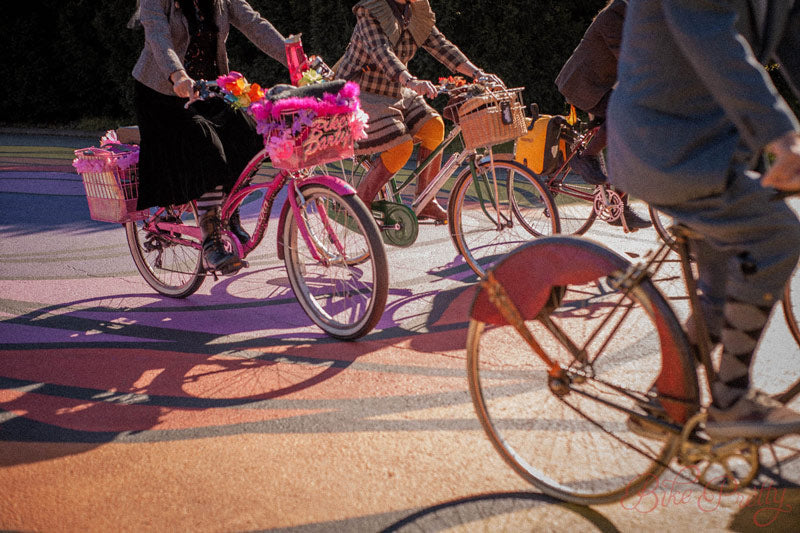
328	239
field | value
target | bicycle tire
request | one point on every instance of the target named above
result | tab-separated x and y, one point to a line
791	305
662	223
171	268
574	458
525	207
345	297
576	214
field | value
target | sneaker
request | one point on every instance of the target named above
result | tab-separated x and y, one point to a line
589	169
755	415
632	220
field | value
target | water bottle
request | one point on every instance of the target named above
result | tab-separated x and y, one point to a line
295	58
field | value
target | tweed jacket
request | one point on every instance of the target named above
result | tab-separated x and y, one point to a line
591	70
380	48
167	38
694	101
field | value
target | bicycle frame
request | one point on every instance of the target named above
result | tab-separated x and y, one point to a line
446	171
243	188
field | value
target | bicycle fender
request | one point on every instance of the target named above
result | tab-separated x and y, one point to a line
281	222
339	186
530	273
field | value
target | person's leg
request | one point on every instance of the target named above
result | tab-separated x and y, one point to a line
759	240
383	168
430	136
214	253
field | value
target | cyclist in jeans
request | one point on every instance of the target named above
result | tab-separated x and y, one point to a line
196	152
386	37
586	81
693	111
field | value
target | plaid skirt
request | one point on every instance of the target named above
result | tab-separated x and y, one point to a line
392	121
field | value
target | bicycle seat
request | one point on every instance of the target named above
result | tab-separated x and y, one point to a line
315	90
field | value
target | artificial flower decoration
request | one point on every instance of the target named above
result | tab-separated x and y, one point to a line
237	91
309	77
453	81
285	121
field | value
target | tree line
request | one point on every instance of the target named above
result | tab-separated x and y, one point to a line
70	60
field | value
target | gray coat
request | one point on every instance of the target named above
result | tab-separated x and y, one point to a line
591	70
693	100
167	38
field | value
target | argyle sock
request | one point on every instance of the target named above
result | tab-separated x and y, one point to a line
741	331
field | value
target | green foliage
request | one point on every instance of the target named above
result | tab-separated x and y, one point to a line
71	61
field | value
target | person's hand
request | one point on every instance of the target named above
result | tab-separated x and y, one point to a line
182	84
422	87
488	79
784	173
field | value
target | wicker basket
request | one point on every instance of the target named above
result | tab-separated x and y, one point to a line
321	140
111	180
492	118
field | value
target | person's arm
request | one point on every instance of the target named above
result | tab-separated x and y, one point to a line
705	30
258	30
157	37
383	55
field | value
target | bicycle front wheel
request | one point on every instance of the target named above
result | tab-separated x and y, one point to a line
574	444
338	270
167	262
496	209
662	223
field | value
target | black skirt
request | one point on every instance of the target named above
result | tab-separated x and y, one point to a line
187	152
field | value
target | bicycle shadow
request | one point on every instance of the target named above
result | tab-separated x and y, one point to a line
242	358
506	511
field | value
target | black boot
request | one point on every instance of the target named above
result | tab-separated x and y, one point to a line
632	220
235	225
215	257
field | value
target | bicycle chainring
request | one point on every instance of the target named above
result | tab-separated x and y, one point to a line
608	204
721	466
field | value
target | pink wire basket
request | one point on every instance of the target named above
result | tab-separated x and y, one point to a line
312	141
111	180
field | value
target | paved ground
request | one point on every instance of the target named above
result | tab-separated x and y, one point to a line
122	410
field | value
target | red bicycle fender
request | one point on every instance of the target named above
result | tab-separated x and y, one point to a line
529	273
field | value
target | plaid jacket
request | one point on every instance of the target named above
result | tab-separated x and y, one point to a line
375	64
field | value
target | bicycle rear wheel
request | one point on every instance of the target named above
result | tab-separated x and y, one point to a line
171	267
791	305
574	199
576	446
488	218
344	289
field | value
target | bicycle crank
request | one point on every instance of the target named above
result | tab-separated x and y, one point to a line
722	466
398	223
